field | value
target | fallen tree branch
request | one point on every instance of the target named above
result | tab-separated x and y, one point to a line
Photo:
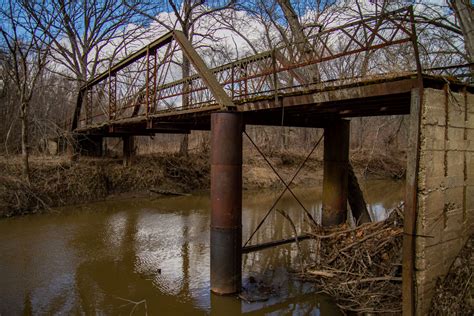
166	192
386	278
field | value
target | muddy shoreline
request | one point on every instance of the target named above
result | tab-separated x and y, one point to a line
57	181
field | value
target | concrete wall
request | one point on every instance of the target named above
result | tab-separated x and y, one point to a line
445	214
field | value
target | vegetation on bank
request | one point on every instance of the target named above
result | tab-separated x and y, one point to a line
454	294
57	181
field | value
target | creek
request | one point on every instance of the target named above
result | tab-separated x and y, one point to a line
151	255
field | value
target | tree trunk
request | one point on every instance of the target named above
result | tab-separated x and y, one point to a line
185	70
183	148
465	13
24	141
295	25
297	31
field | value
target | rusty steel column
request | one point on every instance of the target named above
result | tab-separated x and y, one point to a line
128	150
336	167
226	202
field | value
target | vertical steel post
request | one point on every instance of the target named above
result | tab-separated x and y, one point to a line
336	167
155	75
232	78
147	83
226	202
112	80
128	148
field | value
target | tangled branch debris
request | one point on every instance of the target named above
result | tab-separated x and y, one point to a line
359	267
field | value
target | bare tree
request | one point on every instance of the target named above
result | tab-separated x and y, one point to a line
444	28
465	14
26	50
298	34
91	34
187	15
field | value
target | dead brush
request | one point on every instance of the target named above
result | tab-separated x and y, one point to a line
20	197
359	267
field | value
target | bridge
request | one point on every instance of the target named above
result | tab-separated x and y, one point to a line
368	67
351	70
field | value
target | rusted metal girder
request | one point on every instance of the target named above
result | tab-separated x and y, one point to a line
226	202
206	74
160	42
252	75
274	243
336	168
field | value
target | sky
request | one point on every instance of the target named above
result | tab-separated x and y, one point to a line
249	26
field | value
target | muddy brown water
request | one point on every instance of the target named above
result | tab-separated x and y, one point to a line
151	256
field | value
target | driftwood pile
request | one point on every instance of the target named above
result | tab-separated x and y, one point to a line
359	267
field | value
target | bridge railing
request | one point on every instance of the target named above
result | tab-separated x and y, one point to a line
151	81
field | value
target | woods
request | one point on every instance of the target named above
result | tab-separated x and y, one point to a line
49	49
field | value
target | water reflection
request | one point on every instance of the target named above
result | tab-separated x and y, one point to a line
153	256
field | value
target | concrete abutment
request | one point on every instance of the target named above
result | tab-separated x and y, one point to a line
444	213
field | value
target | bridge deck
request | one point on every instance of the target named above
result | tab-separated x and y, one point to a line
310	106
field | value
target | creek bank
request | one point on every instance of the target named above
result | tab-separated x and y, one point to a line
56	181
454	294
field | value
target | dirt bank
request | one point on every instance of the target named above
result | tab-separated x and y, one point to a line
56	181
454	294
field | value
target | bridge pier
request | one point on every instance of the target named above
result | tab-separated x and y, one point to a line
336	168
128	150
226	202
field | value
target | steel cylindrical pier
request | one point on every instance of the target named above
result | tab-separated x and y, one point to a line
336	168
226	202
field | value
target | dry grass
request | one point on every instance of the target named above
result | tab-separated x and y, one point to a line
380	163
455	293
56	182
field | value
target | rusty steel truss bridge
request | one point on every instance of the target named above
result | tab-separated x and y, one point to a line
363	68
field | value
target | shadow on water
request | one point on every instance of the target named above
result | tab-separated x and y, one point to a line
152	256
